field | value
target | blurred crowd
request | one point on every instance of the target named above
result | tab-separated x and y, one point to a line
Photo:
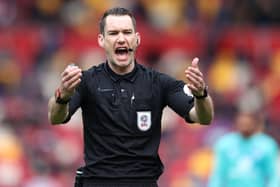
238	43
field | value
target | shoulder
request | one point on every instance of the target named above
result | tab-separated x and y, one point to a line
147	70
89	75
94	70
149	74
157	75
227	140
267	141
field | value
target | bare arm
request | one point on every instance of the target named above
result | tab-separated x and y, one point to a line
57	112
70	79
203	110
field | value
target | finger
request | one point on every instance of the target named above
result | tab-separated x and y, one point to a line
74	78
195	62
69	68
67	84
68	75
194	70
192	88
196	74
196	82
74	84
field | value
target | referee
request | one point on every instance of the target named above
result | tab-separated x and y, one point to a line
122	103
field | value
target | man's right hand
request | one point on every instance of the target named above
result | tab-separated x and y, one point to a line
70	79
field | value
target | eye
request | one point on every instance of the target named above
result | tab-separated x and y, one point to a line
127	32
112	33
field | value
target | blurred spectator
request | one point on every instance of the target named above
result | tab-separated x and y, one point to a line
157	17
248	156
8	12
8	68
11	155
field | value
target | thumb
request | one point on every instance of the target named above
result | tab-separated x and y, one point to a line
195	62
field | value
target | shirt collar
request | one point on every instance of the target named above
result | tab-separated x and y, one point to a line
131	76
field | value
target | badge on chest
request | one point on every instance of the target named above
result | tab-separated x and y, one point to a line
144	120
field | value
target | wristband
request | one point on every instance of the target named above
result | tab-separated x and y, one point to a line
205	94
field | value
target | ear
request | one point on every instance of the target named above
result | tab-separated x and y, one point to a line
138	39
100	40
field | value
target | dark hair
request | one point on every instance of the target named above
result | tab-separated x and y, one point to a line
117	11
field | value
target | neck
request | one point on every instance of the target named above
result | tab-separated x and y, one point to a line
122	70
248	135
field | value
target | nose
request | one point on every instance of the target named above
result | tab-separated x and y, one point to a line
121	38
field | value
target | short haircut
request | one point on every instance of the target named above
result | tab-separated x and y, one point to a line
117	11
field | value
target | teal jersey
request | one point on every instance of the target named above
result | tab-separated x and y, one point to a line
245	162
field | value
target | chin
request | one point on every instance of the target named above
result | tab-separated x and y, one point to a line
123	63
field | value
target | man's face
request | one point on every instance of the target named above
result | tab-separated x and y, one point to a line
246	124
119	36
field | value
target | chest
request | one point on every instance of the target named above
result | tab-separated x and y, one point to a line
245	153
123	106
123	94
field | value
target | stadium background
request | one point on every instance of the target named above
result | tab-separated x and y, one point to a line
238	43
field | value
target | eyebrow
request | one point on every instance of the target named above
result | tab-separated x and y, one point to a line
123	30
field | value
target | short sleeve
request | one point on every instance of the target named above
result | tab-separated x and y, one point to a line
176	96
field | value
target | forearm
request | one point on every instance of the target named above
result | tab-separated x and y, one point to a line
58	106
57	113
203	111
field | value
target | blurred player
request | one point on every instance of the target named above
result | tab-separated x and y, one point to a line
246	157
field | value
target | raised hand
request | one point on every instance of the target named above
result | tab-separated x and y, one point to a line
70	79
195	80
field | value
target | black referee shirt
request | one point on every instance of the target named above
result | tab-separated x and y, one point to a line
122	120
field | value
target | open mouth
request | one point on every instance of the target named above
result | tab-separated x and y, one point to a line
121	50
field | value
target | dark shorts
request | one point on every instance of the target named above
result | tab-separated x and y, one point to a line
90	183
120	185
80	181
